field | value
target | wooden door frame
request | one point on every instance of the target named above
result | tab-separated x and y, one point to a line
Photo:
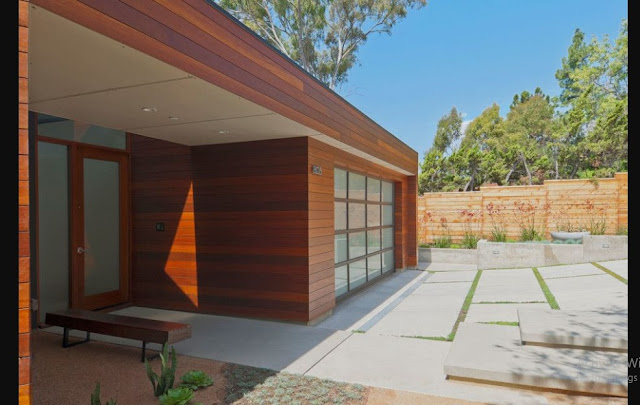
125	247
78	298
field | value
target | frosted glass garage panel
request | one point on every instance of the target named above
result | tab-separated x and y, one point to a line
340	248
356	215
374	266
342	281
357	187
357	273
387	215
387	238
357	245
373	241
373	215
373	189
340	183
387	192
340	216
387	261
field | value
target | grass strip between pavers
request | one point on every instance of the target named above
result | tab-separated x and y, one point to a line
606	270
503	323
465	306
545	289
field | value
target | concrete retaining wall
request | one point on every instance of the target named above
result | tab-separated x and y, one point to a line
438	255
493	255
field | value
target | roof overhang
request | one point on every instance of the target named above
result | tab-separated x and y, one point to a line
81	74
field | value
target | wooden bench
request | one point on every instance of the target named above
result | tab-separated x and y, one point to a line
146	330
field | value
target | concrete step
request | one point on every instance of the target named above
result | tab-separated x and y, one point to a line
579	329
495	354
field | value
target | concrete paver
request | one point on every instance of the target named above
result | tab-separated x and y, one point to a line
452	276
511	285
495	353
431	310
574	328
593	293
569	270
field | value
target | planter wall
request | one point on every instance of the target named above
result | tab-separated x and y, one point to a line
494	255
439	255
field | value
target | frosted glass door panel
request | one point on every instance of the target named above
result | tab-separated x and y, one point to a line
101	226
53	227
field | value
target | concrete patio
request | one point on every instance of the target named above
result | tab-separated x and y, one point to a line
392	334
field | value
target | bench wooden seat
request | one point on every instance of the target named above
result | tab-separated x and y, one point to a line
146	330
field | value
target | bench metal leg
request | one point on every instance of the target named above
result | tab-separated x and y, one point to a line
65	339
144	353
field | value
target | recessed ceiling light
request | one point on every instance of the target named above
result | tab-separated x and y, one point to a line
173	118
149	109
223	132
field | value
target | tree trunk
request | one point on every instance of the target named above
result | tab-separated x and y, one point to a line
513	167
470	183
574	171
526	168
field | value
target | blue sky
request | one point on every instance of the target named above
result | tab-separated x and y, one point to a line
468	53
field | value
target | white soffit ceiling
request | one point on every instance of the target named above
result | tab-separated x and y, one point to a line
76	73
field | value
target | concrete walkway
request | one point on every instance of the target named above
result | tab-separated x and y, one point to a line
370	338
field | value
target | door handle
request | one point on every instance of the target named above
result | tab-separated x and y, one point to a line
80	250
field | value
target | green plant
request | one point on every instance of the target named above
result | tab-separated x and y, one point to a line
177	396
195	379
161	384
470	221
622	230
442	242
498	231
551	299
597	222
470	240
525	216
95	397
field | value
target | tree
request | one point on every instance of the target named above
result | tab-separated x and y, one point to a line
435	172
594	82
322	36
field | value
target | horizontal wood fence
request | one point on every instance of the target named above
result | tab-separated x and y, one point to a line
580	203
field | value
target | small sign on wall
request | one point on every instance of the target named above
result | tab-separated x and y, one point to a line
316	170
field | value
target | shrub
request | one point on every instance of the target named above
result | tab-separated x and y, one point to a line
498	231
529	234
597	222
442	242
499	235
177	396
525	216
195	379
470	241
161	384
622	230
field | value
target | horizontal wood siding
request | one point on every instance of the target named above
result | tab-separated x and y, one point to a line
578	201
24	234
235	217
199	39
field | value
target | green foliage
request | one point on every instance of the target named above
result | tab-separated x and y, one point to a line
177	396
551	299
582	133
95	397
195	379
530	234
161	384
470	240
442	241
622	230
499	234
322	36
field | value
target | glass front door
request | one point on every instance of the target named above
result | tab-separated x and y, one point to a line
99	228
